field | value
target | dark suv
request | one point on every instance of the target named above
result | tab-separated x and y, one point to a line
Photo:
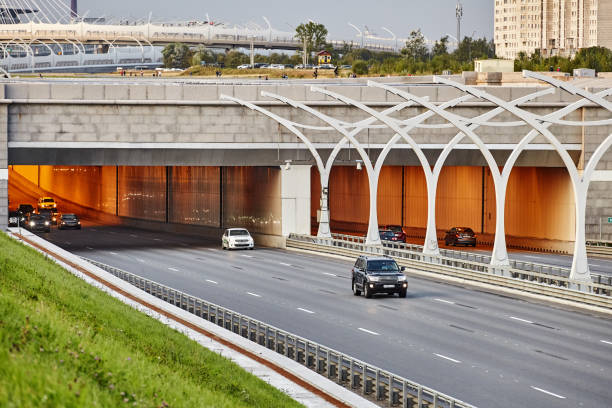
378	274
460	236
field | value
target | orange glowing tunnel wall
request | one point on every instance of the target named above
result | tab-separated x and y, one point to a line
182	195
539	201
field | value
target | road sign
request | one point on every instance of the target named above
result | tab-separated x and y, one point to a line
609	220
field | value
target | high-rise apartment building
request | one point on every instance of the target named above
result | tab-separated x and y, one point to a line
555	27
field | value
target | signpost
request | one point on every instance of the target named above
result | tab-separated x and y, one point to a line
609	222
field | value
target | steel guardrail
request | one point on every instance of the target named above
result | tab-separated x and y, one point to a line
604	248
590	293
599	248
381	386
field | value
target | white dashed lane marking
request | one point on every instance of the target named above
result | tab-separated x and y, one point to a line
253	294
247	256
329	274
305	310
447	358
133	235
88	247
605	341
211	281
445	301
521	320
140	260
173	269
368	331
113	253
548	392
283	263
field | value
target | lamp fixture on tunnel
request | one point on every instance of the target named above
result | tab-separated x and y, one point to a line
359	164
287	164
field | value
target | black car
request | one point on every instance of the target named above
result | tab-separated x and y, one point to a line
460	236
24	211
67	221
378	274
50	213
386	235
37	222
13	218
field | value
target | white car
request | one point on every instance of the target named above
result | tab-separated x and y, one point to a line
244	66
234	238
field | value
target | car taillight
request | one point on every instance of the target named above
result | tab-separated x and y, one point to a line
457	236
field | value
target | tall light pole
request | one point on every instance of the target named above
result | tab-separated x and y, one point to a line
459	15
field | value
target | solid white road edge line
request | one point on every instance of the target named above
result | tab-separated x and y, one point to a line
447	358
305	310
369	331
548	392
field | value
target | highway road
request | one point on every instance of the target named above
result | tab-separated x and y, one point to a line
486	349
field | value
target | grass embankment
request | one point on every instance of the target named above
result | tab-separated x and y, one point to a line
65	343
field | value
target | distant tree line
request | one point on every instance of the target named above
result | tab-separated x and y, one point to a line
414	58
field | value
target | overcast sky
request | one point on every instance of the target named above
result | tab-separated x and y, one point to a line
434	17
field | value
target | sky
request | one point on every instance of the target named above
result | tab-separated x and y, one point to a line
435	18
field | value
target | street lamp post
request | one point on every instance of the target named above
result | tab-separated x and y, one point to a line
459	15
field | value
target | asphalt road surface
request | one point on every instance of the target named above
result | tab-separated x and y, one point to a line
485	349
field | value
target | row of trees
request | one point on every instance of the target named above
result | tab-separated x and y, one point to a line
414	58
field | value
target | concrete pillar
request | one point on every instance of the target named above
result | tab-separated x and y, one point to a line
295	200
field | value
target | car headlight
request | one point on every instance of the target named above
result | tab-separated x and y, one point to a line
46	222
32	223
401	278
79	223
373	278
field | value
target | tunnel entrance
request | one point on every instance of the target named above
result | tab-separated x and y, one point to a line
211	198
540	210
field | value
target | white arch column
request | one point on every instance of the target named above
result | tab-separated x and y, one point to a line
580	268
431	239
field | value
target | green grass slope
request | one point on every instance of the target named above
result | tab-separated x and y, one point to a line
65	343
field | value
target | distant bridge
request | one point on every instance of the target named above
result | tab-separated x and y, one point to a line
30	27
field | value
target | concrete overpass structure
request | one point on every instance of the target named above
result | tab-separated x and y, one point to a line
287	128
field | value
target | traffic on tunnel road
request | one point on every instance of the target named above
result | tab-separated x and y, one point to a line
457	340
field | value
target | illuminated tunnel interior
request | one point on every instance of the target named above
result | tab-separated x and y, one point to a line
539	207
213	197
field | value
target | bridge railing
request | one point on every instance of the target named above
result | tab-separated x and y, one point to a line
604	247
540	282
384	387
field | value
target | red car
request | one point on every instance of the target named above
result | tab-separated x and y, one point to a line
398	233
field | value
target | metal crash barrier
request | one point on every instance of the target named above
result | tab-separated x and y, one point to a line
544	280
378	385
